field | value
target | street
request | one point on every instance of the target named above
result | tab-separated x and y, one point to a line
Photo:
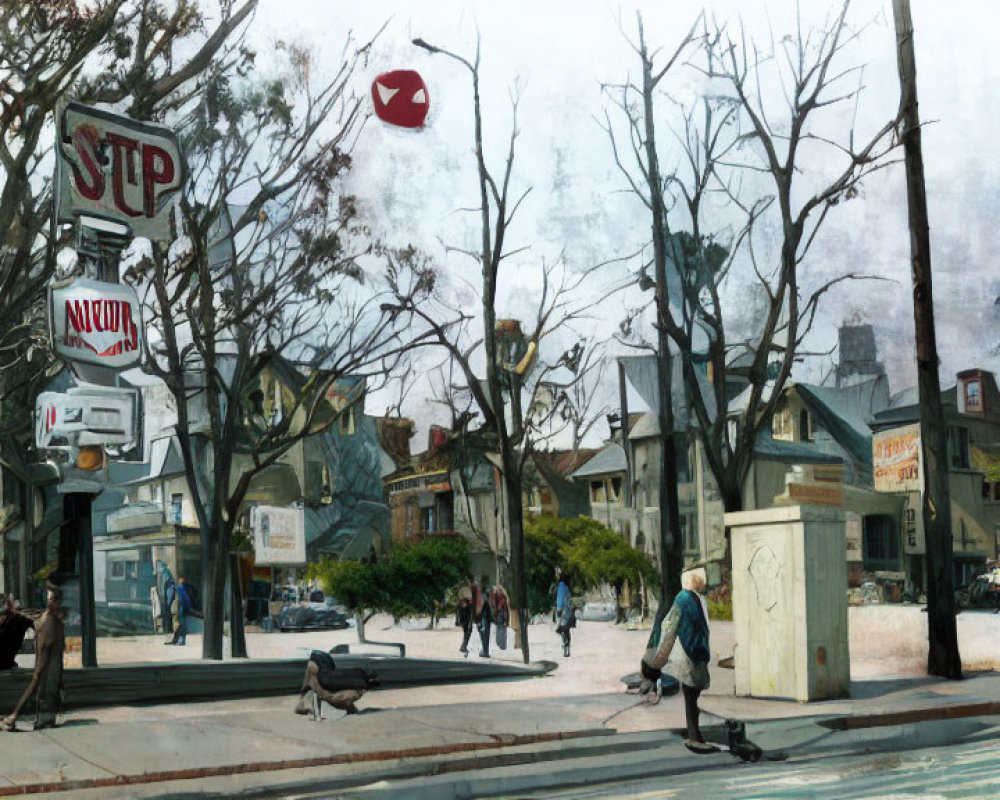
966	770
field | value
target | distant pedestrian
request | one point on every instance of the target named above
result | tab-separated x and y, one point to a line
484	617
500	606
184	609
166	588
13	627
565	616
686	621
46	682
463	615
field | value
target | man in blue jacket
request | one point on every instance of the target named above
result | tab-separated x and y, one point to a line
184	609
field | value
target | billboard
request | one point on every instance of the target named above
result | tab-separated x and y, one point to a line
897	463
85	416
96	323
112	167
279	535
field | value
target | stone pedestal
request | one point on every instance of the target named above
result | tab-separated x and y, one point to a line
790	603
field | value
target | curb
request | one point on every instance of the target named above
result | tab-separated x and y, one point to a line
960	711
499	741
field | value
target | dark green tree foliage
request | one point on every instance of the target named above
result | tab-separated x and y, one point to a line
589	553
413	581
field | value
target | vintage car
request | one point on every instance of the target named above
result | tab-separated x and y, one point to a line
983	591
306	616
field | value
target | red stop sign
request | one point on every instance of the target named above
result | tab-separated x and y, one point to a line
400	98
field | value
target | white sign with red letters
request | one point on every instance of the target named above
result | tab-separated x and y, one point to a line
96	323
113	167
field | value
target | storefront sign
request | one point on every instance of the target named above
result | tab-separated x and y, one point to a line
96	323
914	543
896	459
279	535
85	416
816	494
113	167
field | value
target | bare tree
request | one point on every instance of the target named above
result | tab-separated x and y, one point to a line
140	54
513	385
733	144
267	266
112	51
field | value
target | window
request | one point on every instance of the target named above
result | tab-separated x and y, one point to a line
118	570
346	422
958	447
689	533
805	429
880	543
616	489
683	454
597	492
781	425
427	520
176	508
973	397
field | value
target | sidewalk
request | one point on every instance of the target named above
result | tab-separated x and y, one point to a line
120	751
225	747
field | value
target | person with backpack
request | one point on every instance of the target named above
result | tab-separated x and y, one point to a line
686	622
500	607
185	607
463	615
565	613
484	616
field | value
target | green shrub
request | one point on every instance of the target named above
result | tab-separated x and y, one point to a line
589	553
721	611
412	580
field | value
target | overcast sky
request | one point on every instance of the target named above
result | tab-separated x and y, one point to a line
414	184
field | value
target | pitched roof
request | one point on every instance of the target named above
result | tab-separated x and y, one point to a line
609	459
768	448
563	462
847	414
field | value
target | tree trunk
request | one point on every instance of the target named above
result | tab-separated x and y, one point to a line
237	627
943	658
515	524
359	624
671	553
213	598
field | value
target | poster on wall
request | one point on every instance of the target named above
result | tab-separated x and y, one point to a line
279	535
896	459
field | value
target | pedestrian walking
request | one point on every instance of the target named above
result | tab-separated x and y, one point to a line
46	681
166	588
565	616
463	615
13	627
687	621
185	607
500	606
484	617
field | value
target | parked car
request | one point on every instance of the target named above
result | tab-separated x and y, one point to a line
982	592
327	615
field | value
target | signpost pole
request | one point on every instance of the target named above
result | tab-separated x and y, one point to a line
94	320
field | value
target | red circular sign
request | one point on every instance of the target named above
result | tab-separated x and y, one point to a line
400	98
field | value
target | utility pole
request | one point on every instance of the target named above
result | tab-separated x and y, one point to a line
943	658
